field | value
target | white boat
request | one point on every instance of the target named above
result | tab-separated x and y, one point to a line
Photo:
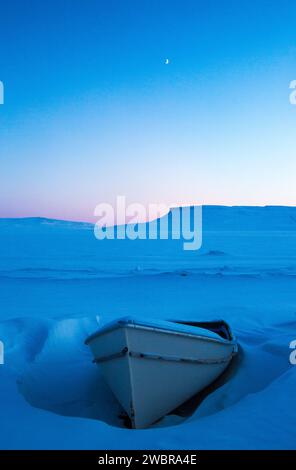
154	366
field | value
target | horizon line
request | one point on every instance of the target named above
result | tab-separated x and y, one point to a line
40	217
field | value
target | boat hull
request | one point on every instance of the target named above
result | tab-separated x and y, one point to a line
152	371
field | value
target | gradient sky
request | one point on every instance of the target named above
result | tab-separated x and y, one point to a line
91	110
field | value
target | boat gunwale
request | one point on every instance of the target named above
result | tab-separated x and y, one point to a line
114	326
163	357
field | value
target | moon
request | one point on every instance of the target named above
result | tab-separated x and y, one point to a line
166	61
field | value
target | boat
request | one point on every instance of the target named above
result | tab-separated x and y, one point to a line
153	366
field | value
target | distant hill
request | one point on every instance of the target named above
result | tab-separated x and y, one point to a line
217	218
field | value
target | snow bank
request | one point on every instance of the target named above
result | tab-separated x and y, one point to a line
51	369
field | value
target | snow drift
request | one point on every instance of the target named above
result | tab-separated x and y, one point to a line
58	283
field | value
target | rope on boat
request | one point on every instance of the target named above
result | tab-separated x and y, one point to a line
111	356
191	360
139	355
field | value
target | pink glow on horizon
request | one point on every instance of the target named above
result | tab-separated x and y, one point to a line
85	214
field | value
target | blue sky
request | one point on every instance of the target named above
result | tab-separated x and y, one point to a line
92	111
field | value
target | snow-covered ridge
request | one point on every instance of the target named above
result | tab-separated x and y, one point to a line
214	218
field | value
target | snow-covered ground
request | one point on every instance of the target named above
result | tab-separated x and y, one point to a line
58	284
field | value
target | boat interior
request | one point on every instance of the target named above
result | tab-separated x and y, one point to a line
219	327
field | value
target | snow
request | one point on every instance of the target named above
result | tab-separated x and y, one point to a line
58	285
